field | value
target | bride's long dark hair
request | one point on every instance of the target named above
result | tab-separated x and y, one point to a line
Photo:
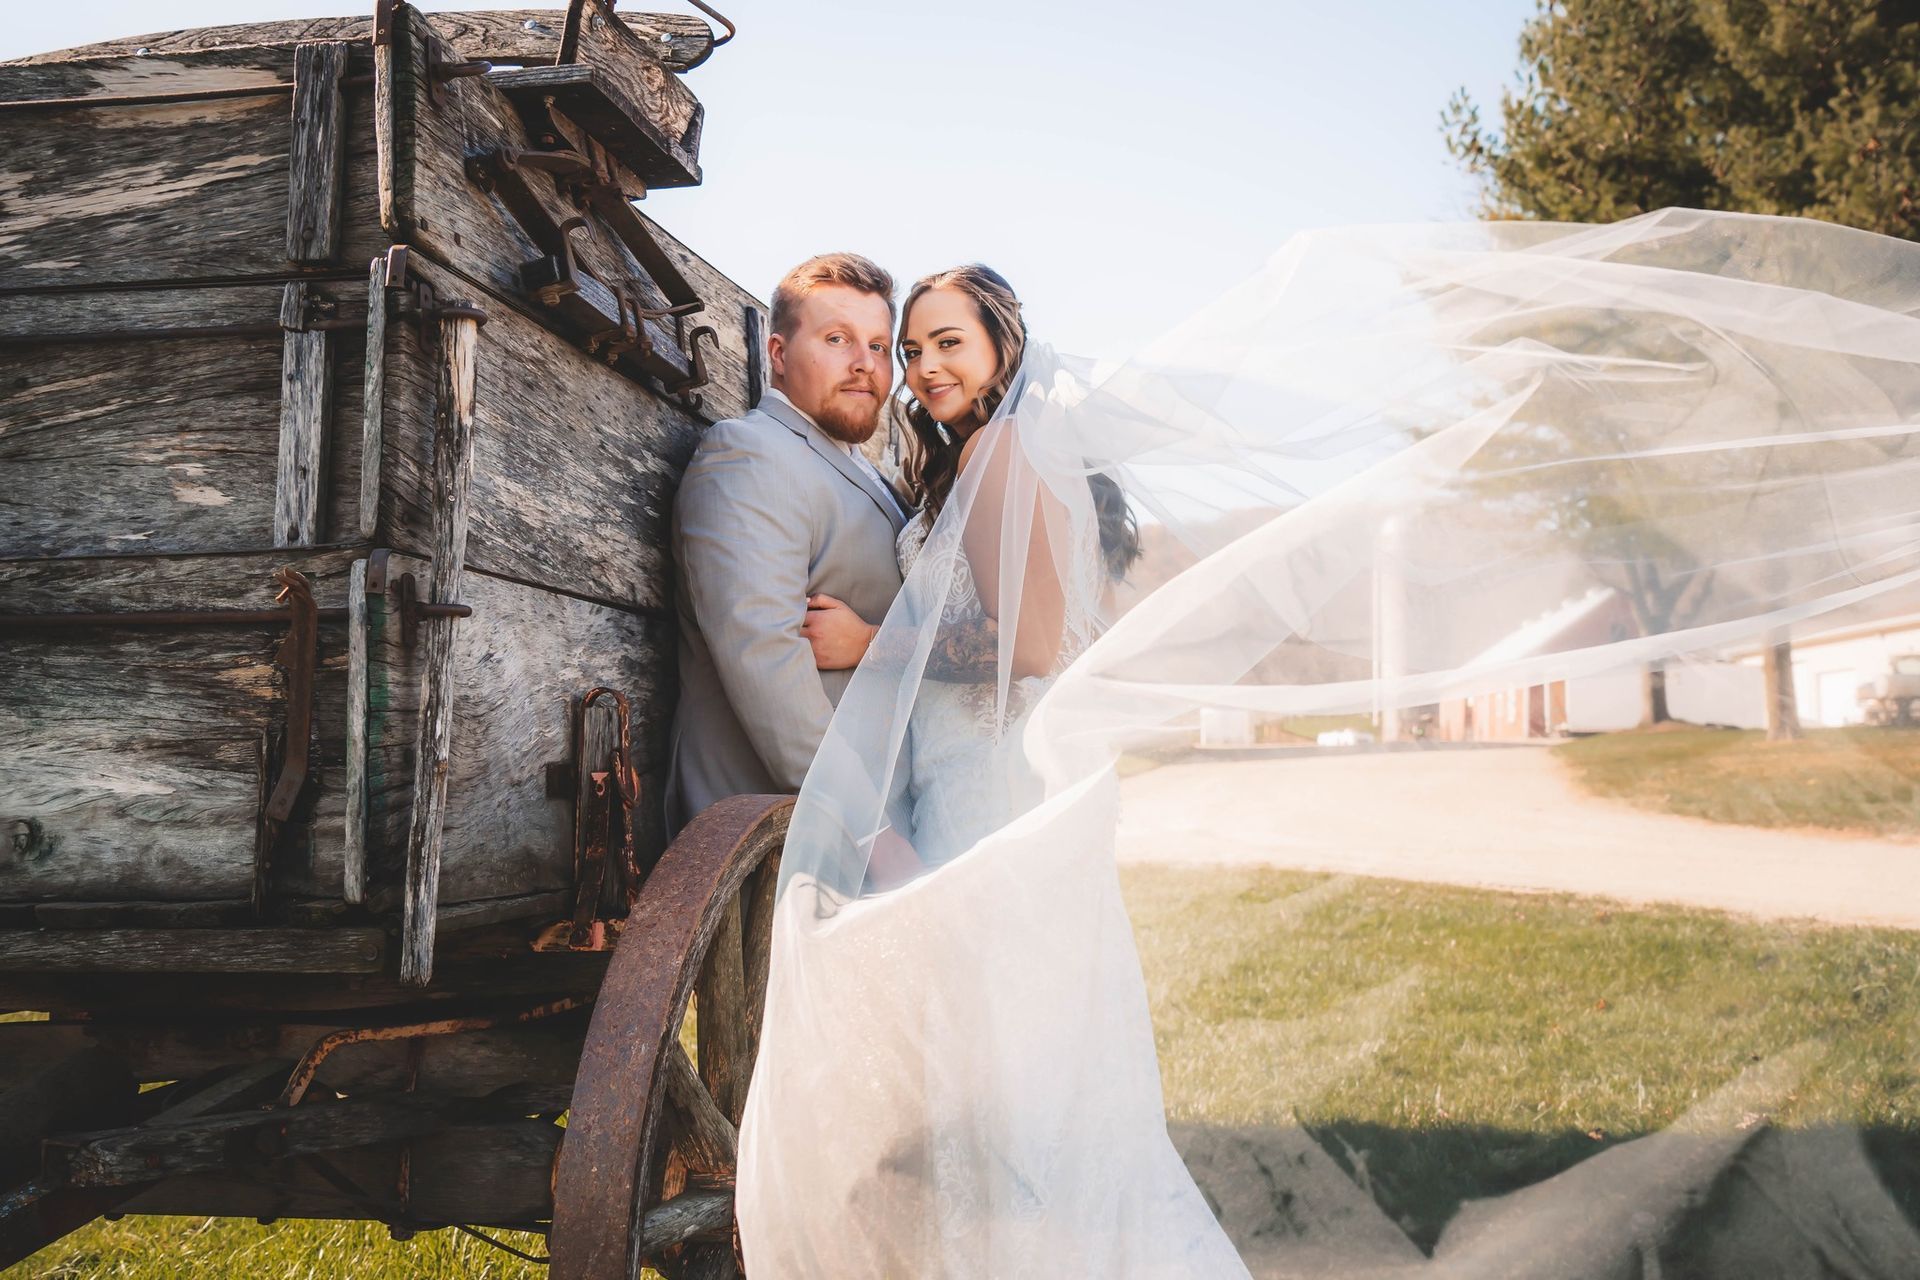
932	459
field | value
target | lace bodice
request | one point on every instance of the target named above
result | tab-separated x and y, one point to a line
963	596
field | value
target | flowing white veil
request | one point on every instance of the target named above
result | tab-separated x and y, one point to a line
1362	480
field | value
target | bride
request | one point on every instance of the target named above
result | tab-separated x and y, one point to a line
1326	493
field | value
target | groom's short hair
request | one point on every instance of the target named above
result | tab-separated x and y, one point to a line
849	269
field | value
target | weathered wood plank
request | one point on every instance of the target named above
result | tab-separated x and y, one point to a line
132	756
505	35
194	950
478	913
316	167
112	318
721	1000
140	1153
482	1173
199	414
757	901
387	95
706	1140
452	489
469	1064
193	190
373	398
93	584
574	467
353	855
150	915
246	1086
685	1217
306	395
501	970
112	72
161	444
520	662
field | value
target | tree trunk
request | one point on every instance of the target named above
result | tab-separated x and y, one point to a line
1653	697
1783	709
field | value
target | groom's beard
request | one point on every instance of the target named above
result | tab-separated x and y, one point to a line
852	419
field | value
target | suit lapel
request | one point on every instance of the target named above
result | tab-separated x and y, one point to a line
792	419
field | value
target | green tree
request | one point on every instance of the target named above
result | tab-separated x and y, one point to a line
1804	107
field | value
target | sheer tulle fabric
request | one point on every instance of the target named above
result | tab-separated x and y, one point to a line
1358	476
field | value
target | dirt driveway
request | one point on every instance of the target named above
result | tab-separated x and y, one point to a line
1507	818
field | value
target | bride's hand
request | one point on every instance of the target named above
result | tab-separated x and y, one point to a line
839	636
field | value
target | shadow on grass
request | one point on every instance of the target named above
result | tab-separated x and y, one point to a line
1358	1199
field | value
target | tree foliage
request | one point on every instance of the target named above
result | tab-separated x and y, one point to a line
1804	107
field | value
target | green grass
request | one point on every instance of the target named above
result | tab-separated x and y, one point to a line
1460	1043
236	1249
1467	1043
1862	779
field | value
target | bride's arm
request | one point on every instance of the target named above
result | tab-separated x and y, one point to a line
1040	623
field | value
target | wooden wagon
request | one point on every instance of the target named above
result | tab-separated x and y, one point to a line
343	394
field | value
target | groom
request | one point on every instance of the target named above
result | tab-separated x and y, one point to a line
775	507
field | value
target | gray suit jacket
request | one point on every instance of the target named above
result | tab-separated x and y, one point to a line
770	512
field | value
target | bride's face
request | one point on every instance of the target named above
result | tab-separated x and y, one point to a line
949	356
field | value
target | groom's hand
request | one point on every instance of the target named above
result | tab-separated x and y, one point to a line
839	636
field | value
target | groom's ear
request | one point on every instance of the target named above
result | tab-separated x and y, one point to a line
777	354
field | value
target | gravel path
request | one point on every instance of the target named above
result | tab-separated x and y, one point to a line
1507	818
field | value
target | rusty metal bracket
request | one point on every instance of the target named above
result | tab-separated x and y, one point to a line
383	22
414	296
603	827
554	277
308	1067
413	611
443	70
701	375
724	21
298	655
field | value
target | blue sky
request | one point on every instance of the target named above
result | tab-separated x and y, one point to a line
1120	162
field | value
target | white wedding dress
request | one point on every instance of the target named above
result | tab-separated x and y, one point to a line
1034	1144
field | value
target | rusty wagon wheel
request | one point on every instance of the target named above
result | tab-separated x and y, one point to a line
645	1172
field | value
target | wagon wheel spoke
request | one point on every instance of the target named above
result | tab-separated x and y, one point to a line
685	1217
704	1139
722	1015
757	908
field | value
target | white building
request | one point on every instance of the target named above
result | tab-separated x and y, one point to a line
1829	667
